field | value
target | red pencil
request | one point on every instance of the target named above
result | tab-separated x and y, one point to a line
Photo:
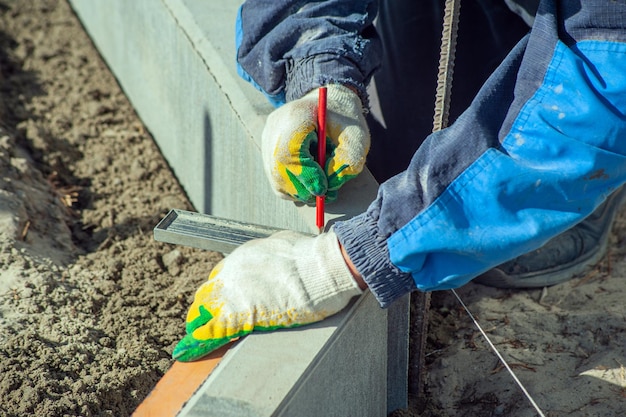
321	154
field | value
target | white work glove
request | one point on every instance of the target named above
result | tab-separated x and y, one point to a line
283	281
290	143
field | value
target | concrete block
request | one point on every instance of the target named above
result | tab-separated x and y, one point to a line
175	60
303	372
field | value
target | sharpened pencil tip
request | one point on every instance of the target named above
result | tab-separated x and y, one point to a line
320	230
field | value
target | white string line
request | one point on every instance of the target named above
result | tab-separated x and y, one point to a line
499	355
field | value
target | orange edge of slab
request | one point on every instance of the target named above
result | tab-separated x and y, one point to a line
178	385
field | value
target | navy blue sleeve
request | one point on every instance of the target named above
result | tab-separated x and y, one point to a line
541	146
286	48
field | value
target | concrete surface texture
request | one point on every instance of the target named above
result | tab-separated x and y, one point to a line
331	368
175	61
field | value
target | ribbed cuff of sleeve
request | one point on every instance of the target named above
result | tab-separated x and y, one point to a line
369	254
324	274
312	72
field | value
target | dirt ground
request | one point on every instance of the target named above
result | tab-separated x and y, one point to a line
91	306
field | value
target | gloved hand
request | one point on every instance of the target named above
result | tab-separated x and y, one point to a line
283	281
289	143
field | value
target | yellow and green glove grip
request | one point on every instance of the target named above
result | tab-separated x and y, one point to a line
289	142
283	281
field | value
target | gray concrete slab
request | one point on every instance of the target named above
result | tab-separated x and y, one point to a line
305	371
174	59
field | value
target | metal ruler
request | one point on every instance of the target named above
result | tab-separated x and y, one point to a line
208	232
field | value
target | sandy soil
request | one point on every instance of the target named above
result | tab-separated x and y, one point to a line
91	306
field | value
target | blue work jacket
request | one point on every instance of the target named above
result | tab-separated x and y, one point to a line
541	146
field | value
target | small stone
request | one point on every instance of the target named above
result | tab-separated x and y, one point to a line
173	258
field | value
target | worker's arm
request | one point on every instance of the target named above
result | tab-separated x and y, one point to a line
286	48
289	48
542	145
356	275
283	281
